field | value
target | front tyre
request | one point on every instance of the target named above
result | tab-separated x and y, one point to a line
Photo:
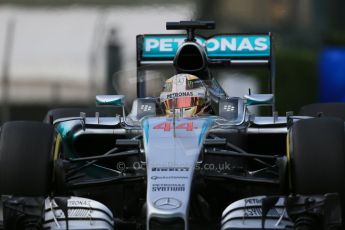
26	158
316	152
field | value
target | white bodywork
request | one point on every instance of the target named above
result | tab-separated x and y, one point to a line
82	214
172	151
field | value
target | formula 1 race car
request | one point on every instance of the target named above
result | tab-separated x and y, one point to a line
194	158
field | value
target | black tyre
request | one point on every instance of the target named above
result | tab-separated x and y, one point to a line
26	158
58	113
317	156
324	109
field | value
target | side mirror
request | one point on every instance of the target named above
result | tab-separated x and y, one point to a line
259	99
110	100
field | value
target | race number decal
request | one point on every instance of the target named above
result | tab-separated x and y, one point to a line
167	126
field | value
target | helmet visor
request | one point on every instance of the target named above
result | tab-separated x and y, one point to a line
183	102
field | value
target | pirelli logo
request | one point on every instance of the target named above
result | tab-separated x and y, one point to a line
170	169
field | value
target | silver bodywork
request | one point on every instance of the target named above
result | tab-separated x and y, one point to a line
172	149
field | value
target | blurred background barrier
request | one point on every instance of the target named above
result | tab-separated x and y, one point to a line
332	74
63	53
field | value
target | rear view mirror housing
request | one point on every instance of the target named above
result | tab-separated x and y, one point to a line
259	99
110	100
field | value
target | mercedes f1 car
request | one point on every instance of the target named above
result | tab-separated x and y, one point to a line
194	158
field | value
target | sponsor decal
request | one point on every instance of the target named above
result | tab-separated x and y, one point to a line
170	169
258	212
180	80
168	177
168	187
79	203
167	126
252	212
180	94
229	108
146	108
216	46
167	203
252	201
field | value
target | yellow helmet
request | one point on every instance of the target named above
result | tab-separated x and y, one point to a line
184	93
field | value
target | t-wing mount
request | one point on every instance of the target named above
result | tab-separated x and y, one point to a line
190	27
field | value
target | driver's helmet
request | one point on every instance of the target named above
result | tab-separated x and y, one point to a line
184	93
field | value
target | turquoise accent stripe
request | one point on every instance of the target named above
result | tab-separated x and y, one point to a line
146	127
204	129
65	127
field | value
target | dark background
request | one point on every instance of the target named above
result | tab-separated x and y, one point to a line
303	31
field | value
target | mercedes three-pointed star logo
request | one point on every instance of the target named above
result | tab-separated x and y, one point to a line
167	203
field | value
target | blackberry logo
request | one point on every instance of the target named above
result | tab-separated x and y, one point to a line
146	108
229	108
